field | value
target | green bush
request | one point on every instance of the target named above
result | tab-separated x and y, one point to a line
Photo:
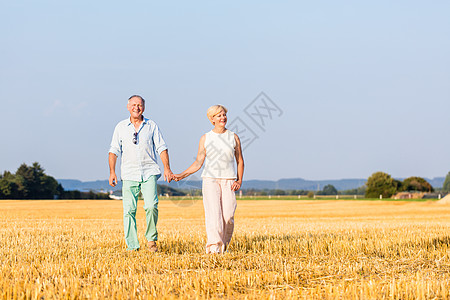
381	183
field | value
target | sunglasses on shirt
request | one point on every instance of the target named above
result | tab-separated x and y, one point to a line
135	141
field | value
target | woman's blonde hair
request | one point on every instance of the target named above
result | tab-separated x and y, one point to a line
214	110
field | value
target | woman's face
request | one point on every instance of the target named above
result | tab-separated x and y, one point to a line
220	119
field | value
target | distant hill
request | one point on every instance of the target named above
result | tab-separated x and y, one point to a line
86	186
437	182
282	184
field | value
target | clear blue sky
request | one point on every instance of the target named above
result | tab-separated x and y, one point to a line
363	86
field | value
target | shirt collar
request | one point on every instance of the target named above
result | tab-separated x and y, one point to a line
145	121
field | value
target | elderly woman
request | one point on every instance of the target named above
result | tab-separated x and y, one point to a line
218	148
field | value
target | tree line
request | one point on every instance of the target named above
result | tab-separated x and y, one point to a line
382	184
31	182
379	183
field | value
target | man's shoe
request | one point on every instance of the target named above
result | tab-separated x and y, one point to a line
152	246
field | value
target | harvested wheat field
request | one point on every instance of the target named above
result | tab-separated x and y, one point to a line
281	249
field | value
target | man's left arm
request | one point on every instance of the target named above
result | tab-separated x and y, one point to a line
168	175
161	148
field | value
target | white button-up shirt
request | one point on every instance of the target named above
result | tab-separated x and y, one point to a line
139	160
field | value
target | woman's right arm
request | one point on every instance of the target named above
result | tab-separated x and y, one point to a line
197	164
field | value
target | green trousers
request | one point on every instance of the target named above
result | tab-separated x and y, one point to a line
130	193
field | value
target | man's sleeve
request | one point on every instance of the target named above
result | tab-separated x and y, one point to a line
116	147
158	140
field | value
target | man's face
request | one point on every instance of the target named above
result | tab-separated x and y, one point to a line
136	107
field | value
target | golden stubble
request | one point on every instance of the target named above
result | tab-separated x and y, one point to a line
280	249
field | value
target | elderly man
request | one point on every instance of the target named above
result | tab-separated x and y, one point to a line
138	139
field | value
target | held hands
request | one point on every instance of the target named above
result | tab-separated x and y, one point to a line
168	175
177	177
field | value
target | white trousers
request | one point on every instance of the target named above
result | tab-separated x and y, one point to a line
219	202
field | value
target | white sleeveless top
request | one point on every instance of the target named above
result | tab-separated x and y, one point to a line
219	161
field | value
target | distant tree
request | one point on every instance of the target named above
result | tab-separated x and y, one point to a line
279	192
33	183
8	186
358	191
446	186
165	189
91	195
381	183
398	184
250	192
298	192
310	194
329	189
416	184
73	194
59	191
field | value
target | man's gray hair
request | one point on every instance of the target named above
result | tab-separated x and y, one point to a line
140	97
